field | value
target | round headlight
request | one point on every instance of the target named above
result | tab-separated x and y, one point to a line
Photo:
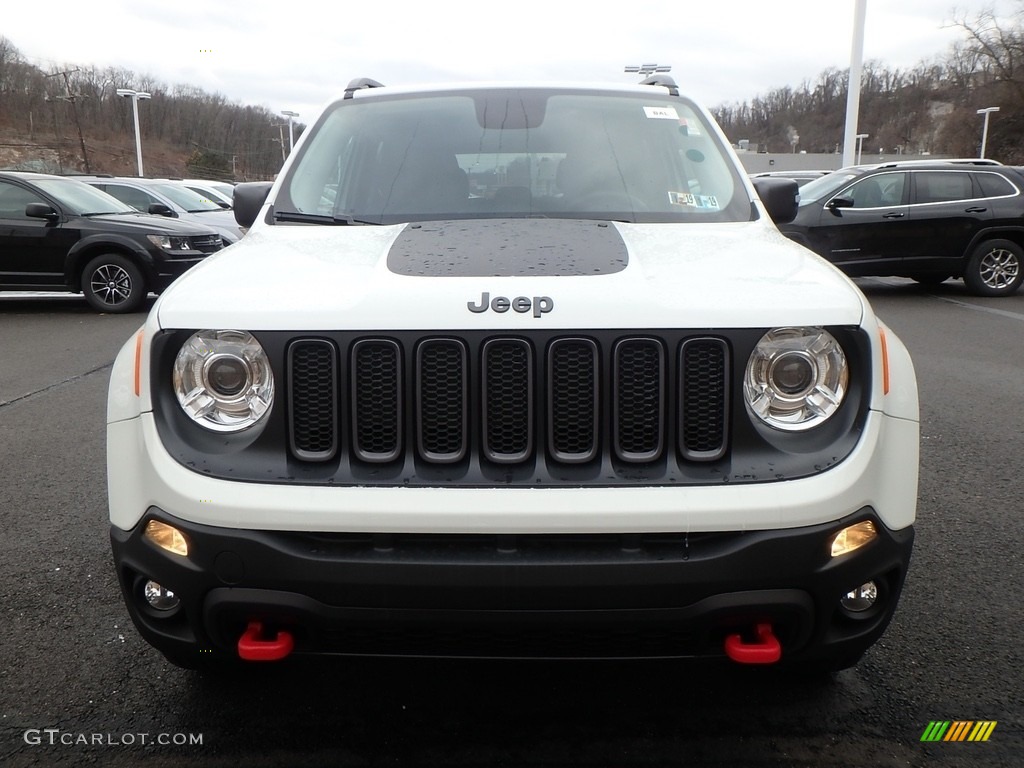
223	380
796	378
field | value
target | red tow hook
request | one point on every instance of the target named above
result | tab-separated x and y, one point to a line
767	649
252	648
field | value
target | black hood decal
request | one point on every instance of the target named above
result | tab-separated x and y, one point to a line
508	248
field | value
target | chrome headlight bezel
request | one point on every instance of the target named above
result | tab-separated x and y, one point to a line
223	380
796	378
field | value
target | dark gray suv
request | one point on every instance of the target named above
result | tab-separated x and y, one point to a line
60	234
924	220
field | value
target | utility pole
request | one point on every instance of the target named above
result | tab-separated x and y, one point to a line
72	99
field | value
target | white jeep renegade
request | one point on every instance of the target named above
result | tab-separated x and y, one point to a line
513	371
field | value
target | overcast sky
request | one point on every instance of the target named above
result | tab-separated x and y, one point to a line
297	55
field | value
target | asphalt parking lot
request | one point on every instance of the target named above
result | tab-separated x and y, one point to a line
78	686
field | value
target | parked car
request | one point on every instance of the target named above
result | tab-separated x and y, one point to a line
926	220
60	234
216	192
513	370
168	198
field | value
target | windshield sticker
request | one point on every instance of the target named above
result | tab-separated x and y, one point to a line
690	200
688	129
662	113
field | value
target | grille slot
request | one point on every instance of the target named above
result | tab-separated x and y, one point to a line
376	400
704	398
442	400
508	424
573	400
313	399
639	400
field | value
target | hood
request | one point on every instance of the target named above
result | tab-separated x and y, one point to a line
499	274
220	219
143	223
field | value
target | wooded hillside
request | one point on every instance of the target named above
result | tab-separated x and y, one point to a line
67	121
72	120
931	108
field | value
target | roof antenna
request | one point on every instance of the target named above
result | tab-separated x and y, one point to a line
652	76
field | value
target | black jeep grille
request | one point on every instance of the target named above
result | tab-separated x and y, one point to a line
508	401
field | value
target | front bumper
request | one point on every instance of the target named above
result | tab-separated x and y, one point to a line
508	596
168	267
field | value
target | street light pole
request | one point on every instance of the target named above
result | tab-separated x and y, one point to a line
291	136
135	96
984	131
853	89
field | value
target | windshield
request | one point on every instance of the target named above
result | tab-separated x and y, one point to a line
81	198
514	153
815	190
186	198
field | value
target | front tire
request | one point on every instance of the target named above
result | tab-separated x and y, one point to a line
994	269
113	283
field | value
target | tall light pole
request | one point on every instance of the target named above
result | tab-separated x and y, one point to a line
984	131
135	96
291	136
853	89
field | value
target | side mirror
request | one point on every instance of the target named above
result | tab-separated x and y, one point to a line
781	197
41	211
159	209
248	199
839	202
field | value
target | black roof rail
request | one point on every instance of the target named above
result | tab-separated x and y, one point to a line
664	80
359	83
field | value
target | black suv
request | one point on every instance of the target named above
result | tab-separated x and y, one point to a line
62	234
925	220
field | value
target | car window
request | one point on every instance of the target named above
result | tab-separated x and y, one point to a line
14	198
635	158
187	199
131	196
881	190
826	186
995	185
943	186
81	198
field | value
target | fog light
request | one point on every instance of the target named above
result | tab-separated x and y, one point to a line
159	597
167	537
854	537
861	599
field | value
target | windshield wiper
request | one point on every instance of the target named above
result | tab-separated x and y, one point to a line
319	218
